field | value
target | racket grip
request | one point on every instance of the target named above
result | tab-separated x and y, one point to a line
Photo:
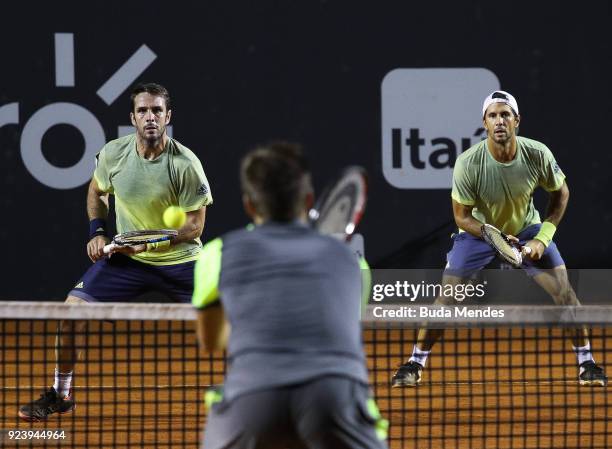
108	248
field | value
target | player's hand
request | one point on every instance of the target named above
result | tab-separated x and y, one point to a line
128	250
95	247
512	238
537	249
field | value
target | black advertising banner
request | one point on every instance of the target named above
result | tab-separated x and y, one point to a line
396	87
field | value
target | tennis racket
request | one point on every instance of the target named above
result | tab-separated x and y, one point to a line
340	208
133	238
505	248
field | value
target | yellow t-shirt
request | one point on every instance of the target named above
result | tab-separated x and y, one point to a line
502	193
143	189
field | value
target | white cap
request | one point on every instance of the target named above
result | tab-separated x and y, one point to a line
500	96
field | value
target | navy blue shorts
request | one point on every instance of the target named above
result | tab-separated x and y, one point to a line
121	278
470	254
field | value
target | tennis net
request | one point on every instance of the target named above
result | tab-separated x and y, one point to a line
140	383
142	380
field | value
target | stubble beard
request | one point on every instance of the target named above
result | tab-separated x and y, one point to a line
150	140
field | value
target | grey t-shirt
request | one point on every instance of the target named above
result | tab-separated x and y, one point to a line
292	297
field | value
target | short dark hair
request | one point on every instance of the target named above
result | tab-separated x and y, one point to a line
151	88
276	178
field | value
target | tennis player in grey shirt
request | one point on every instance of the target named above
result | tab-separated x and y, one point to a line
297	373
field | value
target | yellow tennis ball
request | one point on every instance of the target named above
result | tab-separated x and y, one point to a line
174	217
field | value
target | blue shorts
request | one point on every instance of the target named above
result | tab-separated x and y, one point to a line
470	254
121	278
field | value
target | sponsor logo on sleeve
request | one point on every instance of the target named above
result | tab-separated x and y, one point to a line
203	190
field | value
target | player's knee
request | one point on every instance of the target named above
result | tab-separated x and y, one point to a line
566	297
71	326
74	300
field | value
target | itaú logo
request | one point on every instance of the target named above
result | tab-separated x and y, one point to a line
72	114
429	117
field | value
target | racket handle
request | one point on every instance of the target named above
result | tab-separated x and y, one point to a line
108	248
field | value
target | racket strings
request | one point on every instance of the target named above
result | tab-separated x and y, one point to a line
140	238
505	247
340	210
136	237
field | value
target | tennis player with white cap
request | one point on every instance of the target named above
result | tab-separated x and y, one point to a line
494	182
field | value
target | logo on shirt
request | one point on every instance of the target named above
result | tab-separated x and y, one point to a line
429	117
202	190
556	168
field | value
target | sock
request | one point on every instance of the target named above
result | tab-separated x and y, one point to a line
583	353
62	383
419	356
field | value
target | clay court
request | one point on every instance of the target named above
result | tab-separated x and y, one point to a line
142	386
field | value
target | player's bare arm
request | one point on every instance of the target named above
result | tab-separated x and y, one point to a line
193	227
557	204
465	220
213	328
97	207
